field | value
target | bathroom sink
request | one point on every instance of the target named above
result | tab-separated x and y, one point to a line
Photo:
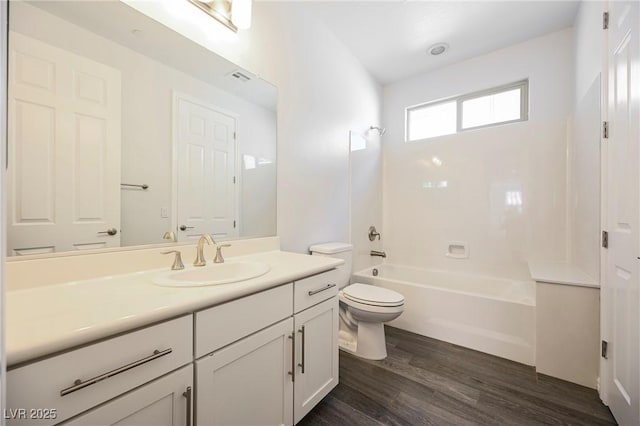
219	273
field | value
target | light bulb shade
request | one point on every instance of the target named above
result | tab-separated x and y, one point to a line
241	13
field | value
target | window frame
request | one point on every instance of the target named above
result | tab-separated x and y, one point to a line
523	85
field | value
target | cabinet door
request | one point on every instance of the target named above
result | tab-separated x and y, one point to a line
249	382
163	402
316	355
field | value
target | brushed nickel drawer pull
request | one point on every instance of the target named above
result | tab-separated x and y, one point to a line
327	287
187	394
79	384
292	373
301	364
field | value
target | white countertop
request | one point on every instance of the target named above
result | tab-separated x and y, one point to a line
564	273
48	319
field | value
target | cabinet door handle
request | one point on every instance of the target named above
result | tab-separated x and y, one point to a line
187	394
292	373
79	384
327	287
302	344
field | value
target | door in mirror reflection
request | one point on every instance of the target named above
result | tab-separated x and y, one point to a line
64	141
206	164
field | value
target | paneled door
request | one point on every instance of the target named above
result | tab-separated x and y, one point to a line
206	163
63	176
621	288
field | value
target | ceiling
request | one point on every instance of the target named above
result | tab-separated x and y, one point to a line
391	38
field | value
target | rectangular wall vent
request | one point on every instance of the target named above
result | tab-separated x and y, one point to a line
240	76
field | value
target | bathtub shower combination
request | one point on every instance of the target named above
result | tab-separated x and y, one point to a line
492	315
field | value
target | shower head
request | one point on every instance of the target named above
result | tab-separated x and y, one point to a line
381	130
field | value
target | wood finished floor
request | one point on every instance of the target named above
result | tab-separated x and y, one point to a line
429	382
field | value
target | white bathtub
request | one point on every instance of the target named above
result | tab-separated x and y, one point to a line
492	315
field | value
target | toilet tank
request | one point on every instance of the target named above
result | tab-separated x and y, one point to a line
342	251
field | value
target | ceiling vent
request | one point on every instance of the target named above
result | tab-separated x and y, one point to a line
240	76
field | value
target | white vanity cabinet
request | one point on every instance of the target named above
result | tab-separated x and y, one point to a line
75	381
248	382
316	341
278	374
167	401
266	358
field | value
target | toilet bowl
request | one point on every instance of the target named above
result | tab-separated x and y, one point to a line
364	308
363	311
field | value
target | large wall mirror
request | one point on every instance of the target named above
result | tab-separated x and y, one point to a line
120	129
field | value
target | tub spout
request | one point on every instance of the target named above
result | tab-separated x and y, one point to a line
378	253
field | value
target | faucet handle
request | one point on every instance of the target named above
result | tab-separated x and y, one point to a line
169	235
219	258
177	261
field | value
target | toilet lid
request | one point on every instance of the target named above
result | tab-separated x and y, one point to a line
372	295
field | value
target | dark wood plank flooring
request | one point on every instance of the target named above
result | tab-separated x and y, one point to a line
425	381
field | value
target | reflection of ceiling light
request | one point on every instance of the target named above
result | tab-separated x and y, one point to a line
436	161
241	13
438	49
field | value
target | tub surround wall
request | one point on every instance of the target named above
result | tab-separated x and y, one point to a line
457	187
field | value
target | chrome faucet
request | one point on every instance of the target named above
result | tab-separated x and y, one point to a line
200	261
378	253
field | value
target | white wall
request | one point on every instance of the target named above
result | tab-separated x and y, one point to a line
481	166
323	92
584	144
147	90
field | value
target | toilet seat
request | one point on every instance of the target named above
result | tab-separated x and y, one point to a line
372	295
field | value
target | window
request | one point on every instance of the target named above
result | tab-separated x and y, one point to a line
500	105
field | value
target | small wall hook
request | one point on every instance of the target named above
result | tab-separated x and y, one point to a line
373	233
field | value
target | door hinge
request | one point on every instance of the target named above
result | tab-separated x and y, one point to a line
234	224
605	239
605	345
234	179
234	136
605	129
605	20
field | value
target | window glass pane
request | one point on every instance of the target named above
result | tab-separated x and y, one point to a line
432	120
496	108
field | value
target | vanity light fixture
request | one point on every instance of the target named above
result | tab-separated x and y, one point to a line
233	14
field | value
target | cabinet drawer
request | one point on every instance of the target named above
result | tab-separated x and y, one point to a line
313	290
80	379
218	326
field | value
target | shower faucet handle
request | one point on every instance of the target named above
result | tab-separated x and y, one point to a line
373	233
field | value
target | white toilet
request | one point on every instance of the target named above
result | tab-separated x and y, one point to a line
363	307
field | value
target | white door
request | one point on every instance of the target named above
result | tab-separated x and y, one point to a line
316	355
248	383
621	289
64	150
164	402
206	158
